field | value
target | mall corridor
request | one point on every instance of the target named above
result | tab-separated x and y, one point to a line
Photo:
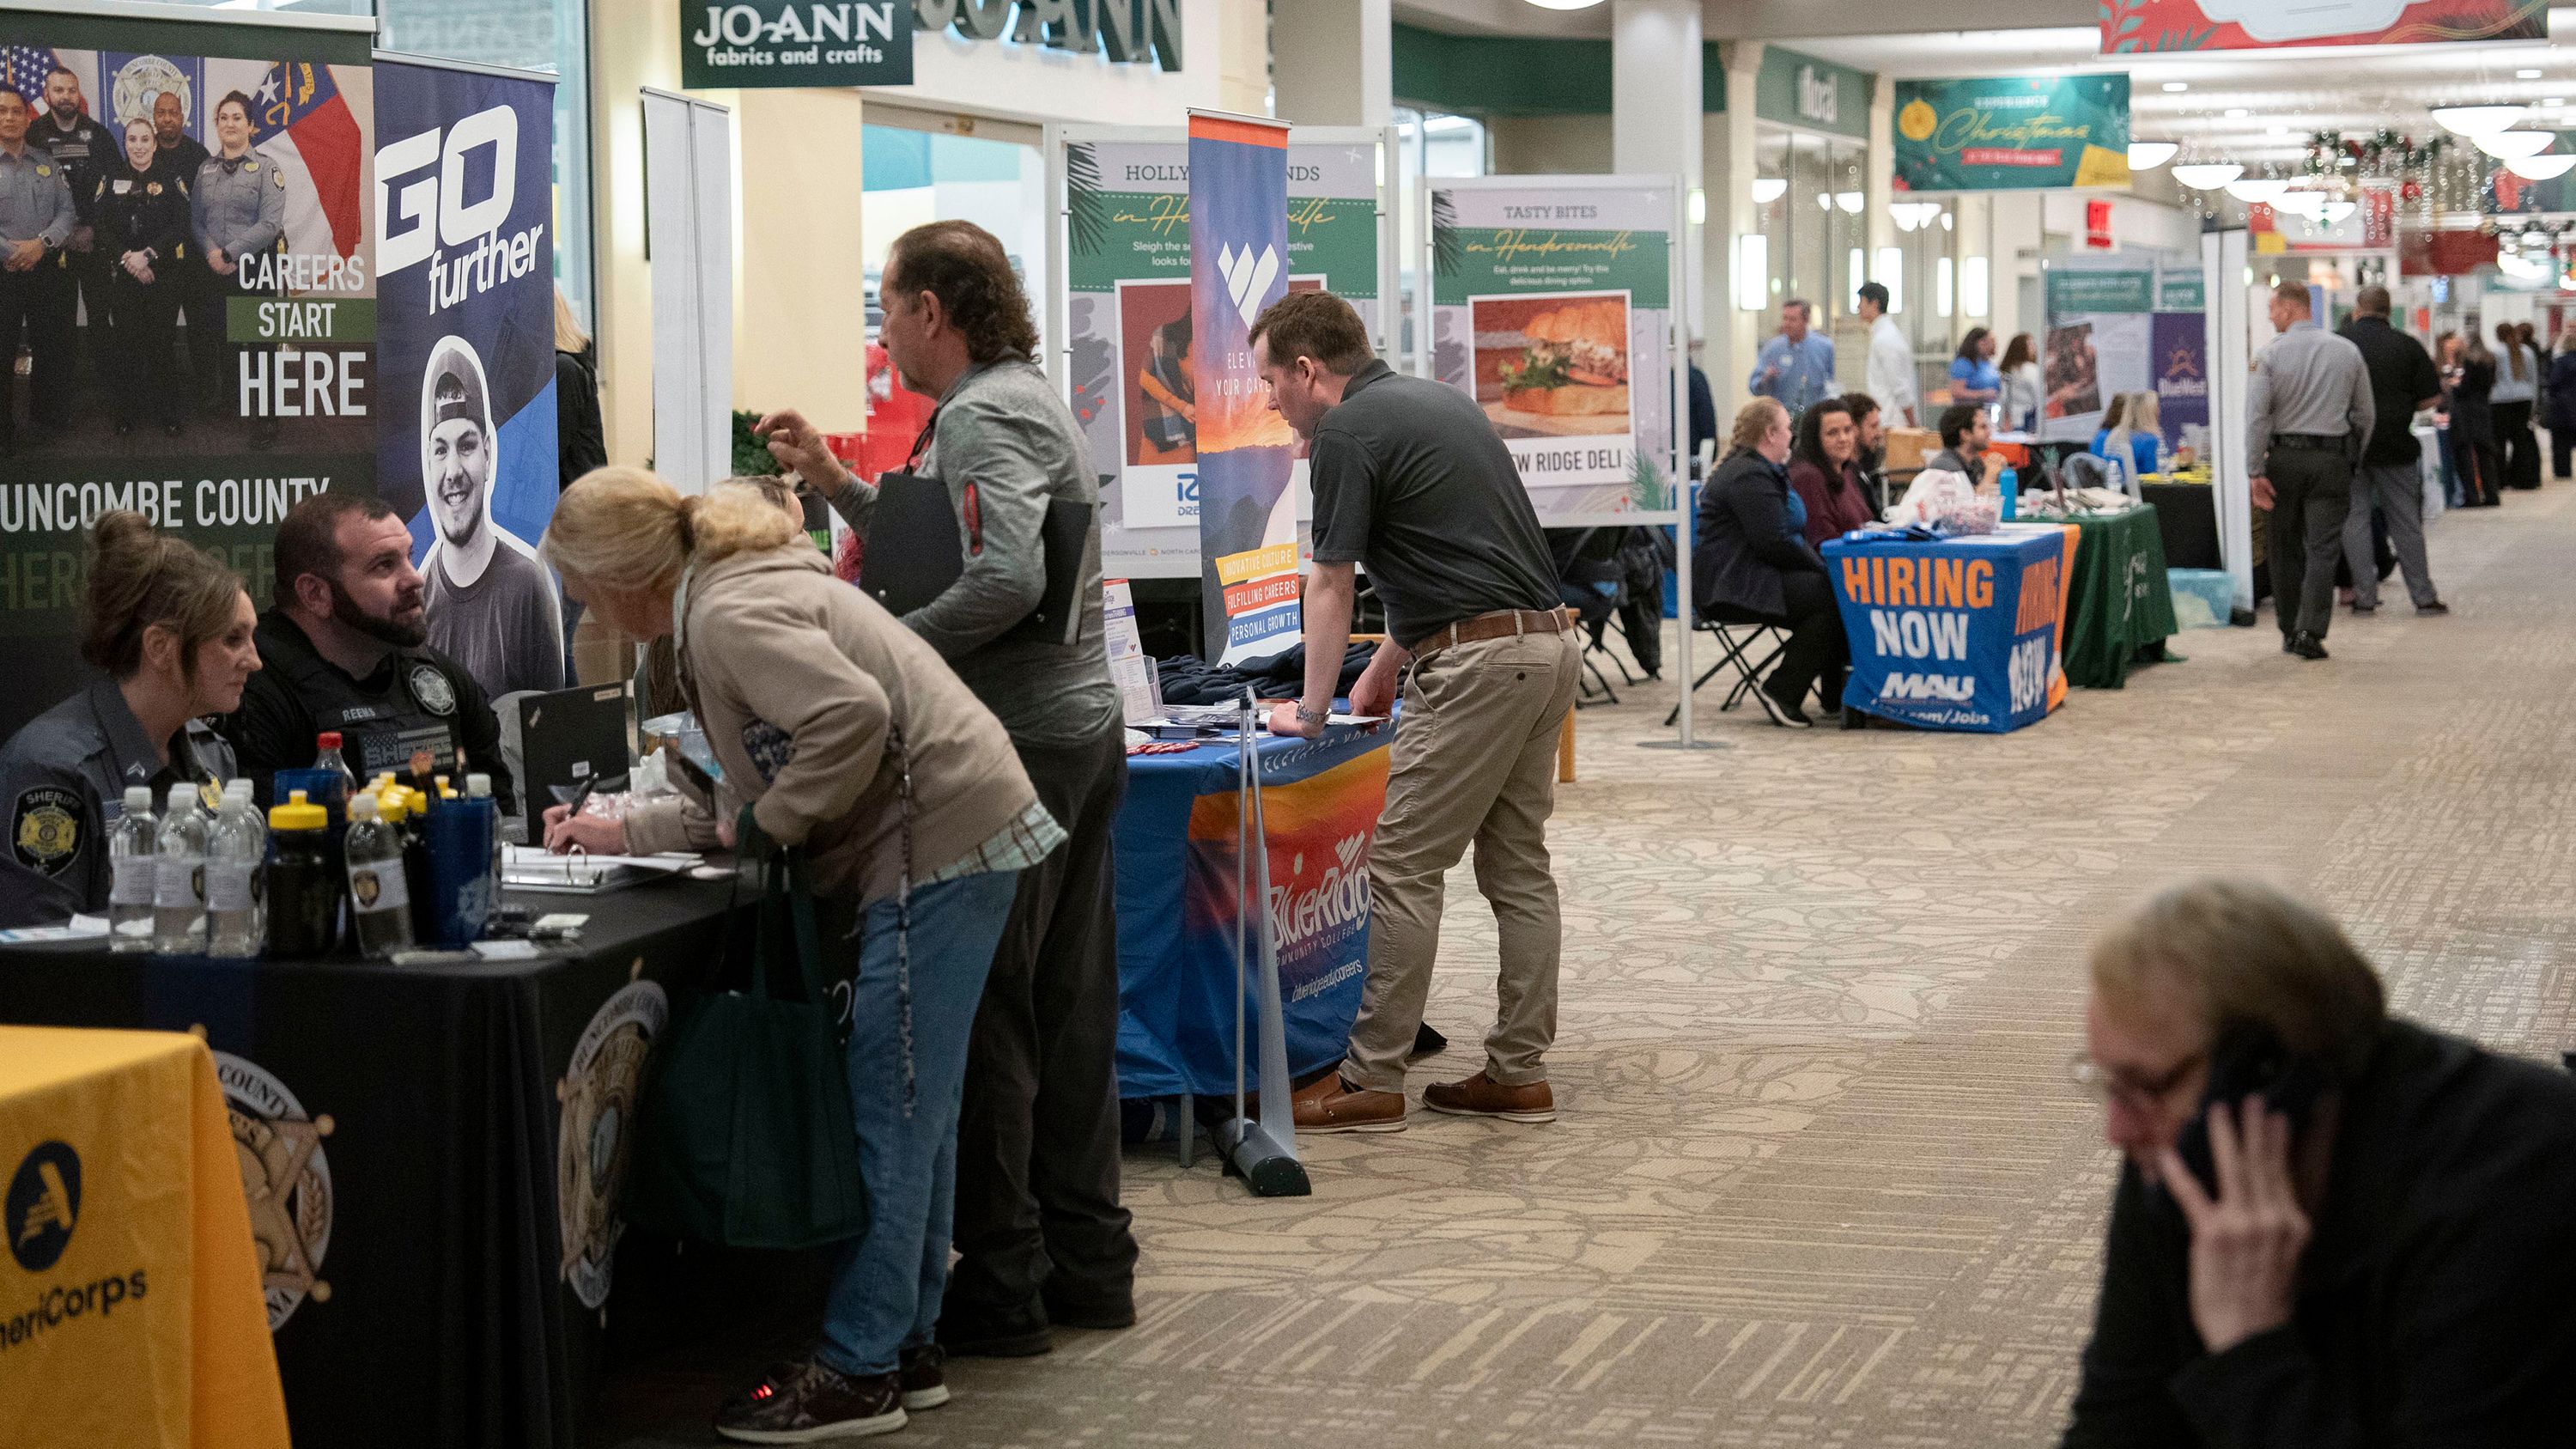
1820	1177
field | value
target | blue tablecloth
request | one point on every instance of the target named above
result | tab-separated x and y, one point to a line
1958	633
1177	894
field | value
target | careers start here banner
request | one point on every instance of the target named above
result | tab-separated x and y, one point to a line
1960	634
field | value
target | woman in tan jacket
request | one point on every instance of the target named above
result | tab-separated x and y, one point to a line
847	736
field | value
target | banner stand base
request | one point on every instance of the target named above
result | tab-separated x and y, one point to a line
1678	745
1269	1169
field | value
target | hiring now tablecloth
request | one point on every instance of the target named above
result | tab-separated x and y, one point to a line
1957	633
2121	600
1177	904
130	1307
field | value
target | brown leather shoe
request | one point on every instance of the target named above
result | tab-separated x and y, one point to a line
1333	1105
1482	1096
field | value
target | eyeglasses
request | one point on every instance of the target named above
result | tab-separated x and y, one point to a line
2109	1084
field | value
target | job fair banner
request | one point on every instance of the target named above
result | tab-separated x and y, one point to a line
2120	324
465	442
397	328
2012	133
1124	323
2132	26
1552	305
245	380
1960	634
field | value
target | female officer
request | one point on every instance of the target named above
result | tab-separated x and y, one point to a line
240	207
170	630
143	221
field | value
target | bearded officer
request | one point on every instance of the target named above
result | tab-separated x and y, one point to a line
347	650
86	151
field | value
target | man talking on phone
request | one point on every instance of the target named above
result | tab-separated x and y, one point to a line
2333	1226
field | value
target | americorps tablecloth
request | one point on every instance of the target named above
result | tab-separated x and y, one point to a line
1177	894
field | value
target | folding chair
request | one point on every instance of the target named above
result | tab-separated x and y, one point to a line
1589	580
1741	636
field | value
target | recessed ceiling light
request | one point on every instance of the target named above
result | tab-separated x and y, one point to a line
2552	103
2172	87
2527	74
2278	129
2237	113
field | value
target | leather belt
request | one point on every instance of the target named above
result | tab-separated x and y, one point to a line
2309	442
1501	624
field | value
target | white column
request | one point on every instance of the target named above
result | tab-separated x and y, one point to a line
1731	348
1333	62
1656	111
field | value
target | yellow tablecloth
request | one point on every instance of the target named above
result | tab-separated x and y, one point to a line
130	1308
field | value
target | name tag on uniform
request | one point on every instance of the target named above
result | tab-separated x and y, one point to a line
123	185
361	713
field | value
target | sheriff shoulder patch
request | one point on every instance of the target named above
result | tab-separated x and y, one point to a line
45	829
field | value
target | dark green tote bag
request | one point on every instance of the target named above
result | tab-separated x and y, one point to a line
744	1133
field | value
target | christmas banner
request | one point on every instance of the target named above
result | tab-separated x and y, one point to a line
2130	27
2012	134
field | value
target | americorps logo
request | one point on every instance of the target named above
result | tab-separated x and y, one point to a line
43	1205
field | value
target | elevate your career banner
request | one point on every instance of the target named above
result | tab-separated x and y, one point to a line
297	361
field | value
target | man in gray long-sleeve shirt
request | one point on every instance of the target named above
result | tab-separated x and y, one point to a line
1040	1234
2308	412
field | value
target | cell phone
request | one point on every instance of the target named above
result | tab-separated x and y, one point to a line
2250	1061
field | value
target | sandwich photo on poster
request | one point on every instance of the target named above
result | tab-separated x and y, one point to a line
1555	367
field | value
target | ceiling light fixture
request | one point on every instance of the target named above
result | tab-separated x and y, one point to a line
1850	201
2540	168
2476	120
2310	204
2238	113
2335	211
2514	145
1768	189
1565	4
2148	155
2552	103
2176	87
2207	175
2531	73
2258	190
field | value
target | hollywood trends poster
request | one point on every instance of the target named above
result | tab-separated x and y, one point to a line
467	455
200	321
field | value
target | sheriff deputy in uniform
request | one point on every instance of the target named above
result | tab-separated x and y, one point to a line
171	632
36	219
240	201
86	151
2308	410
143	220
346	651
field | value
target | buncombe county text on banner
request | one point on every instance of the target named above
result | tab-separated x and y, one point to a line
2012	134
1238	266
2132	26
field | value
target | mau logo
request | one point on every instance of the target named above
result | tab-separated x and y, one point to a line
1903	684
43	1205
1247	277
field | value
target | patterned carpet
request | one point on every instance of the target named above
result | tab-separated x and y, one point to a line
1819	1179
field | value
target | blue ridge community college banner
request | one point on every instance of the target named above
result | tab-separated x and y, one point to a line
1246	453
465	449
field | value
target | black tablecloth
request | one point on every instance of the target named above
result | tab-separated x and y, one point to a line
413	1120
2188	514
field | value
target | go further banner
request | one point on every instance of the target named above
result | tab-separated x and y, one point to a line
233	381
1962	634
2132	26
1127	330
465	448
1551	303
1245	449
2012	134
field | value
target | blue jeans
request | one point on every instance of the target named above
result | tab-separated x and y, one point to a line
885	1295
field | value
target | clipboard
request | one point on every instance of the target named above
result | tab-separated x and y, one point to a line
916	551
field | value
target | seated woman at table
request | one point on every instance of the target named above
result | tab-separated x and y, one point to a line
169	631
2132	434
1824	470
849	738
1750	554
1974	378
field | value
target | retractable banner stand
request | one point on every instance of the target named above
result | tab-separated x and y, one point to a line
1238	266
209	392
1119	307
465	347
688	204
1556	302
2123	324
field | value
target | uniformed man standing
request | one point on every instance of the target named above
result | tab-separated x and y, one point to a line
36	219
346	649
180	154
2308	411
85	150
240	202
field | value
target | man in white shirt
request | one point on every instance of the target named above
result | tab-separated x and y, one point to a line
1891	359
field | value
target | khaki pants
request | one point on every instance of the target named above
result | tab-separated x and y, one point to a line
1475	760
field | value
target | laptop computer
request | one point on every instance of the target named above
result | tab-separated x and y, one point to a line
572	737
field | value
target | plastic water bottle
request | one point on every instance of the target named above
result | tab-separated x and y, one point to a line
179	885
2008	484
134	866
235	851
379	897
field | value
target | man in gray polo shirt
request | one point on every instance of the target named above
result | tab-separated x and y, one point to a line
2308	410
1411	480
1040	1234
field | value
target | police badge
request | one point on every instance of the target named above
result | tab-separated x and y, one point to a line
152	188
45	829
279	177
432	689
